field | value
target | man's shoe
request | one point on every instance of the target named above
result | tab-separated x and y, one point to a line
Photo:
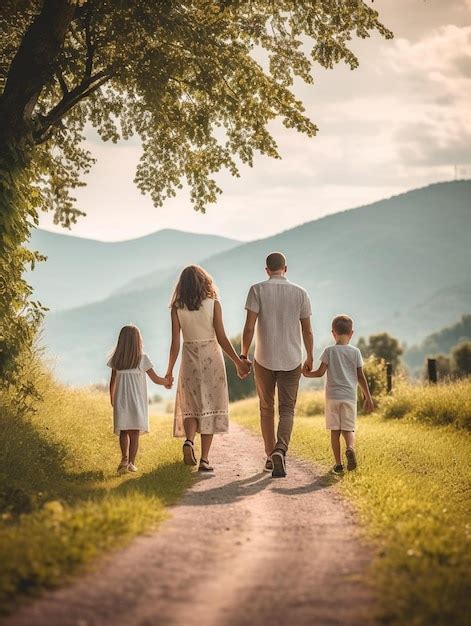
279	465
268	465
351	459
337	469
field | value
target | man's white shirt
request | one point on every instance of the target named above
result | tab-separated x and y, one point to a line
280	305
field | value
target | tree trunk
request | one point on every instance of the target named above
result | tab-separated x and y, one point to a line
32	67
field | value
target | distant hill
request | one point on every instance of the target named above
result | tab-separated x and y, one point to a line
80	271
440	342
401	265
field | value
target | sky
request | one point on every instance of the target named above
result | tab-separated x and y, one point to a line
401	120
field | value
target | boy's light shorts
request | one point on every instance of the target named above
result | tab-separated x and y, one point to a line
340	414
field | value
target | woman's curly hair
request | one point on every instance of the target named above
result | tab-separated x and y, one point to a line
193	286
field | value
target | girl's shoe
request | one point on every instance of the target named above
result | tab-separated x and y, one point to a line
132	467
351	459
268	465
205	466
337	469
122	467
189	457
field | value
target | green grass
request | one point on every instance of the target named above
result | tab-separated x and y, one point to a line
412	493
61	502
446	403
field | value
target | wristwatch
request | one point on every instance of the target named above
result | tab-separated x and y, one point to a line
242	356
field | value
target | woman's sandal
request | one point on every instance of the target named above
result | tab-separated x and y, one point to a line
205	466
189	457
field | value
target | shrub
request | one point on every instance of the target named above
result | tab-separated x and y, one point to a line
441	404
461	359
310	403
375	372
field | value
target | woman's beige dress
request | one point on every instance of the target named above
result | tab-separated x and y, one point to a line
202	382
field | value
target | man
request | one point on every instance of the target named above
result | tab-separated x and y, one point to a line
281	311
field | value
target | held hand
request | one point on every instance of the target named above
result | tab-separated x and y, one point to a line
243	368
307	367
168	378
368	405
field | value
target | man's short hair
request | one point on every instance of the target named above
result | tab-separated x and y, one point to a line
342	324
276	261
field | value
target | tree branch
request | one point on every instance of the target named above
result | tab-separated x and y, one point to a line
82	91
62	83
88	41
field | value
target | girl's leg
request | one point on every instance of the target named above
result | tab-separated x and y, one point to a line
133	445
190	424
335	443
349	436
206	441
124	445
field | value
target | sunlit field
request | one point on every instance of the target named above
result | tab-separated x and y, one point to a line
411	490
61	501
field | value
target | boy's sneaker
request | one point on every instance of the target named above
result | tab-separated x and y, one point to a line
337	469
279	465
351	459
132	467
268	465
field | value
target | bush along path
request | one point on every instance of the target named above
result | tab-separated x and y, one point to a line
239	549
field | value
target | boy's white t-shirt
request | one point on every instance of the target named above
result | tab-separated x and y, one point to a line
342	380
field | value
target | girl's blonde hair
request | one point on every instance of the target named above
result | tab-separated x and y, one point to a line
193	286
129	349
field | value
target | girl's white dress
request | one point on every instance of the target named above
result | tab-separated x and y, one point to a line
202	384
130	403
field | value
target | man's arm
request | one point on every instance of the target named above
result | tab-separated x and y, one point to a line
248	333
308	339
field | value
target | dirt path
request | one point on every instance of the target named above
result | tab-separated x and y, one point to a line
240	549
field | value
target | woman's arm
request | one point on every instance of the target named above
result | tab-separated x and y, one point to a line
175	346
243	367
112	385
158	380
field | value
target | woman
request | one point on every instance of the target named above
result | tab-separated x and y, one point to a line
202	399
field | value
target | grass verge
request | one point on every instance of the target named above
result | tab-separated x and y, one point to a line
61	502
412	492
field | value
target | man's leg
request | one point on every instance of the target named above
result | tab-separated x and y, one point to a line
265	385
288	384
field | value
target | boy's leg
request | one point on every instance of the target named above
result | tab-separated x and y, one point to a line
265	385
335	443
124	445
288	385
133	445
349	437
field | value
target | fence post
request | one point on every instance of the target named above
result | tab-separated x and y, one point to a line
389	377
432	370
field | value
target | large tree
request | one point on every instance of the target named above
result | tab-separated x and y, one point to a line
180	75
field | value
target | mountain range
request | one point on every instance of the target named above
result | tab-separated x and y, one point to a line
79	271
400	265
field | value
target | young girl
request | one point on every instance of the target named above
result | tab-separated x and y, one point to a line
201	403
128	393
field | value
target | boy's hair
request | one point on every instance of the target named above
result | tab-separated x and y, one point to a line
193	286
129	349
342	324
276	261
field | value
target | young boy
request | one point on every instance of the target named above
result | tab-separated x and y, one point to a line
344	366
